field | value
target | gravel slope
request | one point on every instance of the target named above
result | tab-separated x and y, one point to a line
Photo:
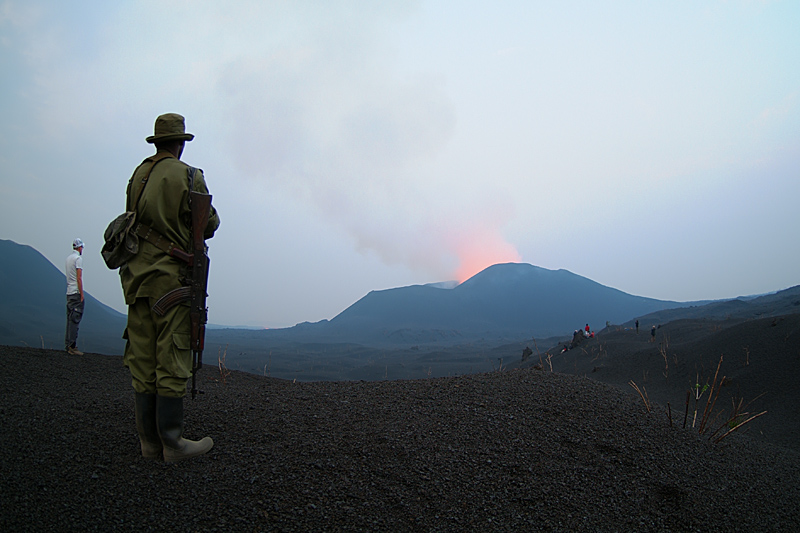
523	450
761	362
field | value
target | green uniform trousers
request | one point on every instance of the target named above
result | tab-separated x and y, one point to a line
158	350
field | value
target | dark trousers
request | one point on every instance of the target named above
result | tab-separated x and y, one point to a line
74	315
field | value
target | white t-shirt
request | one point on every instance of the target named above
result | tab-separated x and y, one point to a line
74	262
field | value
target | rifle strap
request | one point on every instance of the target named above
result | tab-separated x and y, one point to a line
192	172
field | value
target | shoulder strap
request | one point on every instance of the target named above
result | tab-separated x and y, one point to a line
160	156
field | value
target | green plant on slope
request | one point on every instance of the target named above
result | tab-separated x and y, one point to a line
737	418
698	392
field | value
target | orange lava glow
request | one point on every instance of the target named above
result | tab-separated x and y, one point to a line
483	251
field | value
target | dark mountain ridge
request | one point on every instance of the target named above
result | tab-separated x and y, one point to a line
501	303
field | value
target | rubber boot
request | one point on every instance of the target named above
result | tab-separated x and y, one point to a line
146	425
169	415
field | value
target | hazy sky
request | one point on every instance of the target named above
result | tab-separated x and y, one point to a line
350	146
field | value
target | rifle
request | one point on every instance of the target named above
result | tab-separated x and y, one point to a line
195	292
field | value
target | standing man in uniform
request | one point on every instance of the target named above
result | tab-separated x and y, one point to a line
158	352
74	273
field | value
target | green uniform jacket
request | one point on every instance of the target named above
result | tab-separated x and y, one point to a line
164	206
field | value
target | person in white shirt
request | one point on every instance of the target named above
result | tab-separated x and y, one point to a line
74	272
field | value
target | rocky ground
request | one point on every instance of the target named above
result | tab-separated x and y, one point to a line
521	450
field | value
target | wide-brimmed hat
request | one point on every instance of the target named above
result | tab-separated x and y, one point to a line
170	127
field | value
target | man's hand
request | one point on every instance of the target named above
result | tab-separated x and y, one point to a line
79	276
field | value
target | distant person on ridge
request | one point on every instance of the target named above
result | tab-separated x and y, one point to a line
158	352
74	274
637	326
653	334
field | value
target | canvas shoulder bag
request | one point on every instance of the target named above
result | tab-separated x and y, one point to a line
121	239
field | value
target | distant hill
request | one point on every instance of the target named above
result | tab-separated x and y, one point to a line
501	303
33	307
782	302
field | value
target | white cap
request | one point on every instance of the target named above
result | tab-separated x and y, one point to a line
77	243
